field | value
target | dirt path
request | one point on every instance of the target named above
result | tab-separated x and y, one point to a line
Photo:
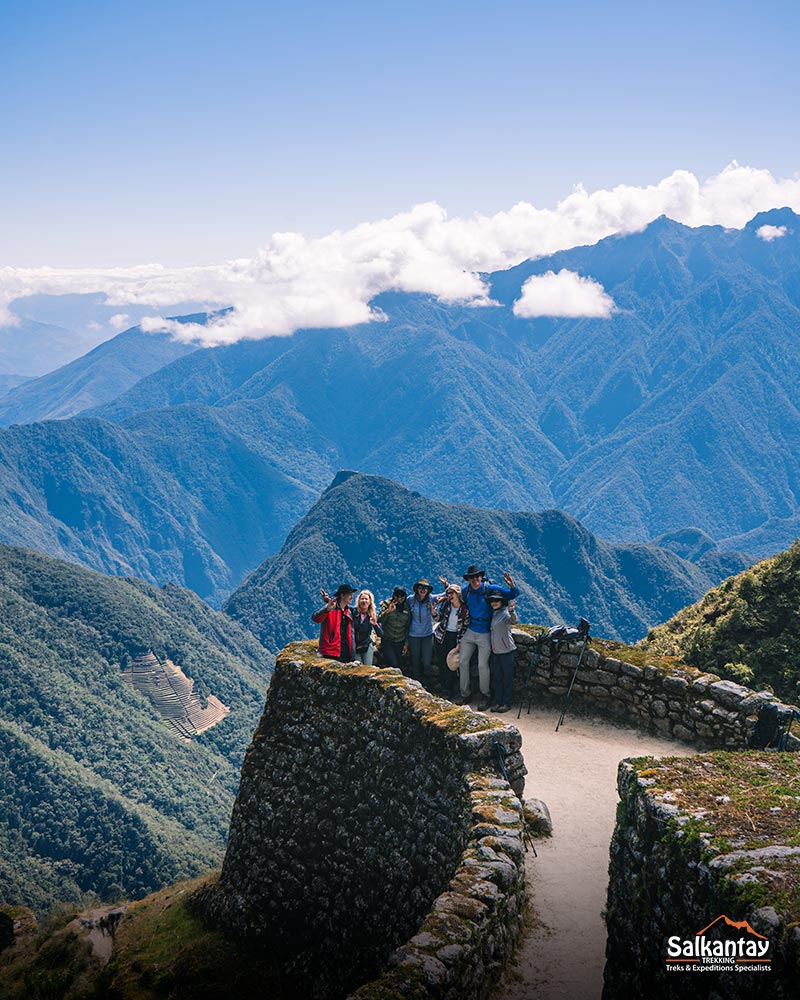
574	772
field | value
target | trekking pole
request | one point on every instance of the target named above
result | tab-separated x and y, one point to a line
583	627
787	729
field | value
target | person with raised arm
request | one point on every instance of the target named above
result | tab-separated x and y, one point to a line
335	620
503	647
475	594
395	620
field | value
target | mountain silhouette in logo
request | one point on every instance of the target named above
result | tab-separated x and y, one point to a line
739	925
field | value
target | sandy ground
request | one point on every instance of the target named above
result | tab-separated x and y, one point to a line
574	772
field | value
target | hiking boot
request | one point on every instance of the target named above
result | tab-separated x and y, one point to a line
484	704
502	708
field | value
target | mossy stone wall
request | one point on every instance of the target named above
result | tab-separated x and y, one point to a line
374	844
676	701
699	838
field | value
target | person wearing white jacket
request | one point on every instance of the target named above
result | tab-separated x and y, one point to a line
503	647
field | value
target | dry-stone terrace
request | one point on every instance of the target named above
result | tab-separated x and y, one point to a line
173	695
375	844
673	700
699	839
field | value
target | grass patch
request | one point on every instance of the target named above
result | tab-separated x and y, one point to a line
737	801
639	656
162	949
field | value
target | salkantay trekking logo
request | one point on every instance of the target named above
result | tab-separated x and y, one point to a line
716	948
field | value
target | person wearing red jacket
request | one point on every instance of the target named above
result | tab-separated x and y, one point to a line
335	622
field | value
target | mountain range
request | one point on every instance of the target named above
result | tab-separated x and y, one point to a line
679	409
92	379
370	532
30	348
98	791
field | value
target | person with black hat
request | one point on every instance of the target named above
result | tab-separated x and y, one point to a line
395	620
335	622
420	633
475	593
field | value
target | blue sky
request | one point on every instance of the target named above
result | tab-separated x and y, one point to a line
187	132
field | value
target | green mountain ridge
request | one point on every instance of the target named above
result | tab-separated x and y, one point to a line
93	379
745	629
371	532
98	794
185	501
30	348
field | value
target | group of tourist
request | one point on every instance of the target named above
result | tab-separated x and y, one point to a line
464	619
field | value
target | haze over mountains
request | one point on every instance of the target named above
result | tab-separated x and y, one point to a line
32	348
93	379
680	409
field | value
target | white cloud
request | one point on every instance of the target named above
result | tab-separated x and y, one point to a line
94	326
770	233
563	294
298	282
119	321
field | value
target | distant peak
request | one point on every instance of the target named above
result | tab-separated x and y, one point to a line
341	477
663	224
774	217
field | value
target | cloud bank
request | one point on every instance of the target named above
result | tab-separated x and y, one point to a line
563	294
297	282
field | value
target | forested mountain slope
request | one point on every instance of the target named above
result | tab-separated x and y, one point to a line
183	499
95	378
746	628
682	408
97	793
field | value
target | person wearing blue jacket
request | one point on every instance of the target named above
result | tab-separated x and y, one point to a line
420	632
476	592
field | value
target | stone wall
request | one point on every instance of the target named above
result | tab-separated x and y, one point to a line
699	839
673	700
375	845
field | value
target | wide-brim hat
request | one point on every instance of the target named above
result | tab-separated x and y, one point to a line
423	583
473	571
344	588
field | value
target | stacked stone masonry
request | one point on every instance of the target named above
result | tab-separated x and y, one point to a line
680	702
670	881
375	844
662	881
